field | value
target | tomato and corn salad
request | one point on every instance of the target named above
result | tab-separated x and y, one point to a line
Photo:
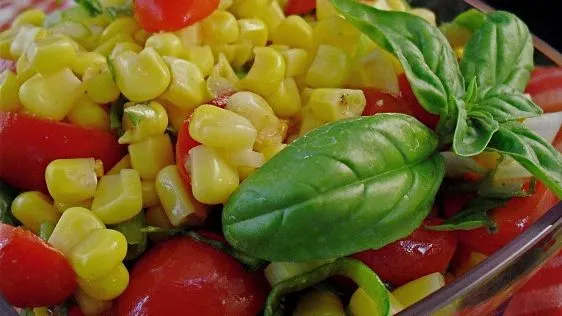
238	157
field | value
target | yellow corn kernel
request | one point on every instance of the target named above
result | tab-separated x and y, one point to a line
337	32
72	180
34	208
106	47
166	44
191	35
23	38
253	107
24	71
187	86
244	172
51	54
266	73
125	47
9	99
156	216
243	53
253	31
212	178
73	226
202	56
41	311
329	68
75	30
325	10
416	290
361	304
375	70
225	4
220	27
488	160
124	163
51	96
216	127
62	207
143	121
149	195
334	104
473	260
226	49
178	203
5	44
286	101
123	25
176	115
309	121
108	286
317	302
296	61
425	14
87	113
99	84
271	150
248	8
398	5
294	31
242	157
98	254
222	80
33	17
90	306
141	77
272	16
86	60
118	197
151	155
141	36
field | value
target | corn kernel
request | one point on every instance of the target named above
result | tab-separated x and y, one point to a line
212	178
125	47
24	71
229	51
51	96
309	121
141	36
107	287
34	208
143	121
123	25
62	207
202	56
294	31
118	197
220	27
106	47
223	79
416	290
149	195
187	87
272	150
272	16
216	127
191	35
296	61
329	68
325	10
249	8
286	101
86	60
225	4
156	216
243	53
337	32
253	31
99	84
73	226
242	157
41	311
143	76
124	163
75	30
23	38
90	306
175	115
244	172
334	104
180	205
33	17
375	70
5	44
266	73
361	304
9	98
71	180
398	5
317	302
89	114
51	54
253	107
166	44
151	155
425	14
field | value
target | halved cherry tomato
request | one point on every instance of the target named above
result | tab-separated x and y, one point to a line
189	277
183	146
32	273
421	253
29	144
172	15
545	87
300	6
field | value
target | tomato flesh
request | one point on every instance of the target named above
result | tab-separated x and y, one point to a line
172	15
300	6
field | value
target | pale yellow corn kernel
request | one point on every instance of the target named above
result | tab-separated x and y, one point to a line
320	302
252	30
75	30
272	16
286	101
107	287
427	15
305	95
156	216
279	48
266	73
141	77
24	71
34	208
73	226
90	306
143	121
272	150
33	17
361	304
309	121
62	207
98	253
124	163
294	31
51	96
212	178
398	5
107	46
337	32
272	134
151	155
86	60
220	27
166	44
50	55
329	68
243	53
9	98
125	47
122	25
248	8
5	44
99	84
149	195
23	38
253	107
325	10
141	36
244	172
191	35
228	50
242	157
296	61
216	127
202	56
71	180
176	115
41	311
416	290
223	79
187	87
178	202
225	4
334	104
375	70
118	197
87	113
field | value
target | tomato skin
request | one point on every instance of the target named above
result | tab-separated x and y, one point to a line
300	6
545	87
29	144
172	15
32	273
183	146
430	120
182	274
421	253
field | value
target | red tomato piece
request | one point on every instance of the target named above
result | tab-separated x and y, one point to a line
300	6
185	275
545	87
429	119
421	253
32	273
172	15
29	144
183	145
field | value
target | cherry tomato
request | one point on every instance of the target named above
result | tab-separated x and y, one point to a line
172	15
421	253
29	144
32	273
430	120
545	87
185	275
300	6
511	220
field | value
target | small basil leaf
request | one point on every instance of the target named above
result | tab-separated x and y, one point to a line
373	178
471	19
93	7
532	151
473	133
473	215
7	195
471	92
499	53
136	237
426	56
506	104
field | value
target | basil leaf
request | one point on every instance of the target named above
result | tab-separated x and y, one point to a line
345	187
93	7
499	53
506	104
471	19
473	133
532	151
473	215
7	196
428	60
136	237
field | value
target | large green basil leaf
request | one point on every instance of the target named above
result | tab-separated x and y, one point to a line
473	133
428	60
499	53
506	104
473	215
532	152
345	187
